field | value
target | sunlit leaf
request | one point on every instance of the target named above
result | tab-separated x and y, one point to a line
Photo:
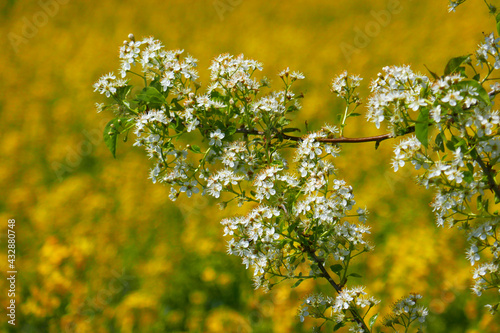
422	127
110	134
372	320
454	64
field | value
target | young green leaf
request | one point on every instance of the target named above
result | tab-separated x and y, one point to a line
440	141
110	134
498	23
195	149
479	202
151	95
468	177
434	75
422	127
336	269
450	145
372	320
454	64
296	284
339	326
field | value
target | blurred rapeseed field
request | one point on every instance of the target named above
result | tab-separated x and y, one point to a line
99	248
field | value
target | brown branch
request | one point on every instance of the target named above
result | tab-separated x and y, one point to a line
323	270
357	317
377	138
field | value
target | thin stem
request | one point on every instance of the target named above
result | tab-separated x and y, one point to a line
344	118
139	75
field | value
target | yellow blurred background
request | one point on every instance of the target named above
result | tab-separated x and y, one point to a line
101	249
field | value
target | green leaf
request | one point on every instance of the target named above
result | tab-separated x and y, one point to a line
498	23
454	64
278	163
231	130
296	284
284	121
339	326
450	145
473	153
434	75
292	226
178	126
123	91
110	134
114	128
483	95
355	275
372	320
468	177
440	138
195	149
176	107
422	127
151	95
336	268
156	84
215	94
354	114
460	143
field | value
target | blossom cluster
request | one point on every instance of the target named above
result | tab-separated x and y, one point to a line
406	311
310	206
303	215
455	147
344	85
321	306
